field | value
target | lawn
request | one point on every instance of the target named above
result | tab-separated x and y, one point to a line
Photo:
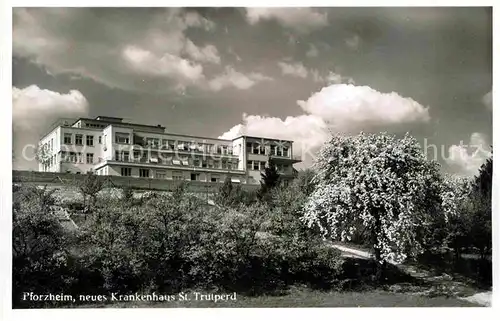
303	298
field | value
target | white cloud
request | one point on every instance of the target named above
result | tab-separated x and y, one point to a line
333	78
347	106
33	111
146	62
32	105
308	132
233	78
209	53
130	50
353	42
488	100
300	19
293	69
337	107
468	158
192	19
312	52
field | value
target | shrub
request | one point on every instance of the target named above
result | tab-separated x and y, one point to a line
39	245
174	242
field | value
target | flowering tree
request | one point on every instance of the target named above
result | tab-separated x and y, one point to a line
380	183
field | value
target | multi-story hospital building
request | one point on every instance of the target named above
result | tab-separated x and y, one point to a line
110	146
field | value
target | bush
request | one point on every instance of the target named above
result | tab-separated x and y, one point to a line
174	242
39	246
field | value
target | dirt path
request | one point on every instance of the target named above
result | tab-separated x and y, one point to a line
442	284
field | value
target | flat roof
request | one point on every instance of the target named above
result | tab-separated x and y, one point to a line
267	138
118	122
108	117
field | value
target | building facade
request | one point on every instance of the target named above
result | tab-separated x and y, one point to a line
110	146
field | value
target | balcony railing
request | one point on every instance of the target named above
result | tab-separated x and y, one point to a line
178	163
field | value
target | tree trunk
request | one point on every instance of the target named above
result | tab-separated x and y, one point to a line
380	266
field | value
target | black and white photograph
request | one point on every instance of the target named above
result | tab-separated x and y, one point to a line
251	157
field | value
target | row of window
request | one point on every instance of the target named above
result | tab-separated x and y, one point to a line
95	126
260	166
124	156
47	164
75	157
170	144
273	150
89	139
48	146
144	172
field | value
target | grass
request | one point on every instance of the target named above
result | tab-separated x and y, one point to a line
302	297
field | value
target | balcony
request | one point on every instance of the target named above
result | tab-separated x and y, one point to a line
174	163
281	159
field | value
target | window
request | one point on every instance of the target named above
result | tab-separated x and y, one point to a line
255	149
72	157
256	166
100	139
143	172
90	158
195	177
216	164
161	174
117	155
126	171
249	165
249	146
177	176
262	150
204	163
80	157
122	138
262	165
224	164
285	151
196	163
214	178
90	140
126	156
153	142
79	139
67	138
210	163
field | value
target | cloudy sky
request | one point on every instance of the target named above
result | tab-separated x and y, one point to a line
291	73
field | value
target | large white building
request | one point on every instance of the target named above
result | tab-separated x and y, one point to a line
110	146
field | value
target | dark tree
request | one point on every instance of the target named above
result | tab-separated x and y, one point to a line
270	178
483	182
481	236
